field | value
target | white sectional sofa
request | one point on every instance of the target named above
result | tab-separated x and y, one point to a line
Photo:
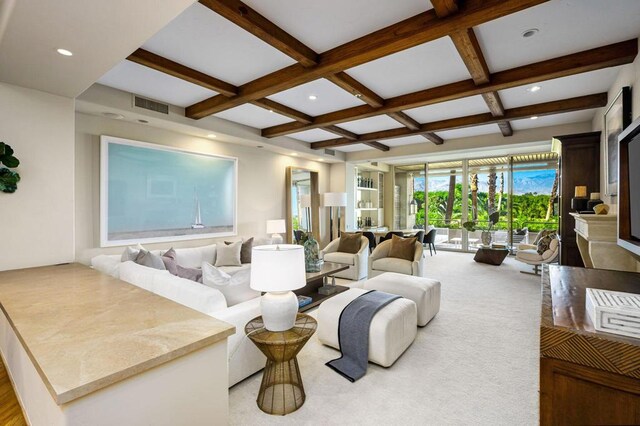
244	358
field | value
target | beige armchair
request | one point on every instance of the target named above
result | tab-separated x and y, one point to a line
357	262
380	262
528	253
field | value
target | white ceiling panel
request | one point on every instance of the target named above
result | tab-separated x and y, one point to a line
566	26
421	67
407	140
254	116
323	25
452	109
329	97
561	88
354	148
207	42
149	83
553	120
313	135
373	124
486	129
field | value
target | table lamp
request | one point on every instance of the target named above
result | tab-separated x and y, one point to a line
276	270
275	228
334	199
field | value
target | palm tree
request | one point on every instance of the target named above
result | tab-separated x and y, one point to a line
491	202
451	197
474	196
552	198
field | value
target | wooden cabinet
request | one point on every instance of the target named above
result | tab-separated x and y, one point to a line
586	377
579	166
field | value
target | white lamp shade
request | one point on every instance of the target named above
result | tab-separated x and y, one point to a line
305	201
277	226
278	268
334	199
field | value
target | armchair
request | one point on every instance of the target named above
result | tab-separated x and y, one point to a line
528	253
380	262
357	262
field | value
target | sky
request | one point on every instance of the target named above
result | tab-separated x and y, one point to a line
536	181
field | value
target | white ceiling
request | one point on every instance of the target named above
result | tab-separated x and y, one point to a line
202	40
353	148
323	25
566	26
100	34
553	120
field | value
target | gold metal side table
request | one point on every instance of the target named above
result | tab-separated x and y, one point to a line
281	390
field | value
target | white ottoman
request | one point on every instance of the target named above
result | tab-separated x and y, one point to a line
423	291
392	329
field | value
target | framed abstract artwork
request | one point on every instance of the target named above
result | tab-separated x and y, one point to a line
616	118
153	193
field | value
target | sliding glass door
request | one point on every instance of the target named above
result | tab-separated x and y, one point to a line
444	203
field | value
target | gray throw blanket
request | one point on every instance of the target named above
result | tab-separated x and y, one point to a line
353	333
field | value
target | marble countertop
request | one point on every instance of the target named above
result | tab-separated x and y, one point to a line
84	330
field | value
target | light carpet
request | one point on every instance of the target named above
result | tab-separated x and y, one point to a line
475	363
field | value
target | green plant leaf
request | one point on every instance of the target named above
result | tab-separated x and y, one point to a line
8	180
10	161
5	150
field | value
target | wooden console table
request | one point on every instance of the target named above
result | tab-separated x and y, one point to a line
586	377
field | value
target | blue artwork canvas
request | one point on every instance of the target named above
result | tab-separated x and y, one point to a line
152	193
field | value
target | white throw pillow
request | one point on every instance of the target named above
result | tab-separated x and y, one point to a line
235	288
229	255
131	252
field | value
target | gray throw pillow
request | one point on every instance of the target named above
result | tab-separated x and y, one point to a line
130	253
229	255
245	251
169	260
146	258
193	274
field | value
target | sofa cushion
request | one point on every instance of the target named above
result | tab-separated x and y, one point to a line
170	263
131	252
235	269
193	257
544	242
338	257
402	248
245	251
151	260
229	255
107	263
530	255
392	264
350	242
235	288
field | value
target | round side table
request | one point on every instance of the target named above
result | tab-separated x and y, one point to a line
281	390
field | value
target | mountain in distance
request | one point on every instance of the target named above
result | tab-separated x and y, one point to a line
538	181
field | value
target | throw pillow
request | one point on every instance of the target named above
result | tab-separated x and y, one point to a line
131	252
193	274
545	241
245	251
349	242
235	288
229	255
169	260
402	248
543	234
146	258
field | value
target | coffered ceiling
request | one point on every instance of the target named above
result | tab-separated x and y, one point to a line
368	74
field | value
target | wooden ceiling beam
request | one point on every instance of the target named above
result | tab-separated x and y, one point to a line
408	33
445	8
405	120
353	86
341	132
547	108
167	66
432	137
253	22
274	106
378	145
577	63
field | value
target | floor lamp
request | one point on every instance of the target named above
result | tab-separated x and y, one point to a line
331	200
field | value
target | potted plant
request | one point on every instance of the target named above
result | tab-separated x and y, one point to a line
472	226
8	178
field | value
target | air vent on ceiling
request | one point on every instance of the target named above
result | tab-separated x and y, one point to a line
330	152
374	163
150	105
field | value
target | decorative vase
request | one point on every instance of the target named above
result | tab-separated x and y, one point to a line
601	209
311	250
486	238
594	201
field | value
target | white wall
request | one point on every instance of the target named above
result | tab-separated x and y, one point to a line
261	180
629	76
37	221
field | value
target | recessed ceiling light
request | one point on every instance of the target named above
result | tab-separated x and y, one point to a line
312	97
143	121
295	154
533	89
211	135
358	95
320	159
64	52
530	32
270	110
535	117
113	115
